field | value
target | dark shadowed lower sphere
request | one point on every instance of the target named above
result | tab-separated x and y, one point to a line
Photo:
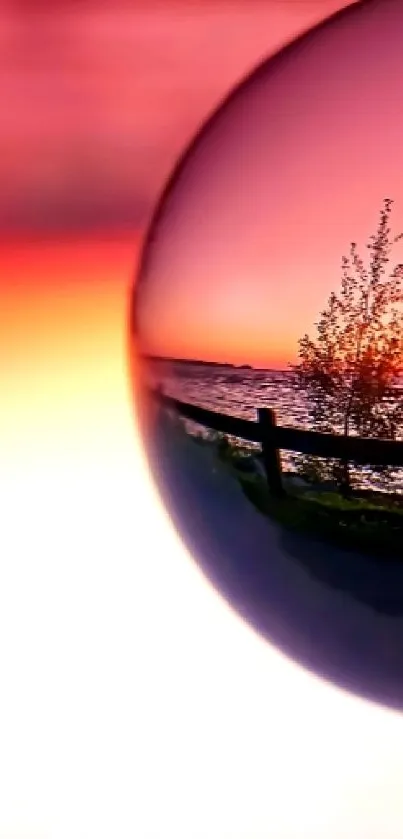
266	345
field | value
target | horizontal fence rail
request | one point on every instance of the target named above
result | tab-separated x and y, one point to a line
362	450
272	437
235	427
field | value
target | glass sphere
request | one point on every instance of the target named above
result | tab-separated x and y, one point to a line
267	333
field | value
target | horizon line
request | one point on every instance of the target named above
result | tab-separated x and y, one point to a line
190	360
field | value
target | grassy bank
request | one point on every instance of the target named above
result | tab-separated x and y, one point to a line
370	522
371	525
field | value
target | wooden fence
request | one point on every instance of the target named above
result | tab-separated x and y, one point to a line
272	438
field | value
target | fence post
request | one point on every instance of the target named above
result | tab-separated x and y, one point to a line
271	455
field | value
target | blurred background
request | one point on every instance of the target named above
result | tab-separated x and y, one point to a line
99	99
110	640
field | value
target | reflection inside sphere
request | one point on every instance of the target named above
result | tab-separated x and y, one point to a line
267	326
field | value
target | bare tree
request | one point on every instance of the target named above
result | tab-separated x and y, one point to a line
349	371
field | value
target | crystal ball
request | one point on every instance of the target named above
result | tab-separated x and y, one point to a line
266	337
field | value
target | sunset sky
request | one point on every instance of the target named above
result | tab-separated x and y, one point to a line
249	242
98	101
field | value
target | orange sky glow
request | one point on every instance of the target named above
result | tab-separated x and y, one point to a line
64	305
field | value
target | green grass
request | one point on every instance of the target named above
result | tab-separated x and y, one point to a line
372	525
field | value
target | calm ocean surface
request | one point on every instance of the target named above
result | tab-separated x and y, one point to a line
239	392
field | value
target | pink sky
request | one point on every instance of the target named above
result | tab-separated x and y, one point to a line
99	98
295	168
